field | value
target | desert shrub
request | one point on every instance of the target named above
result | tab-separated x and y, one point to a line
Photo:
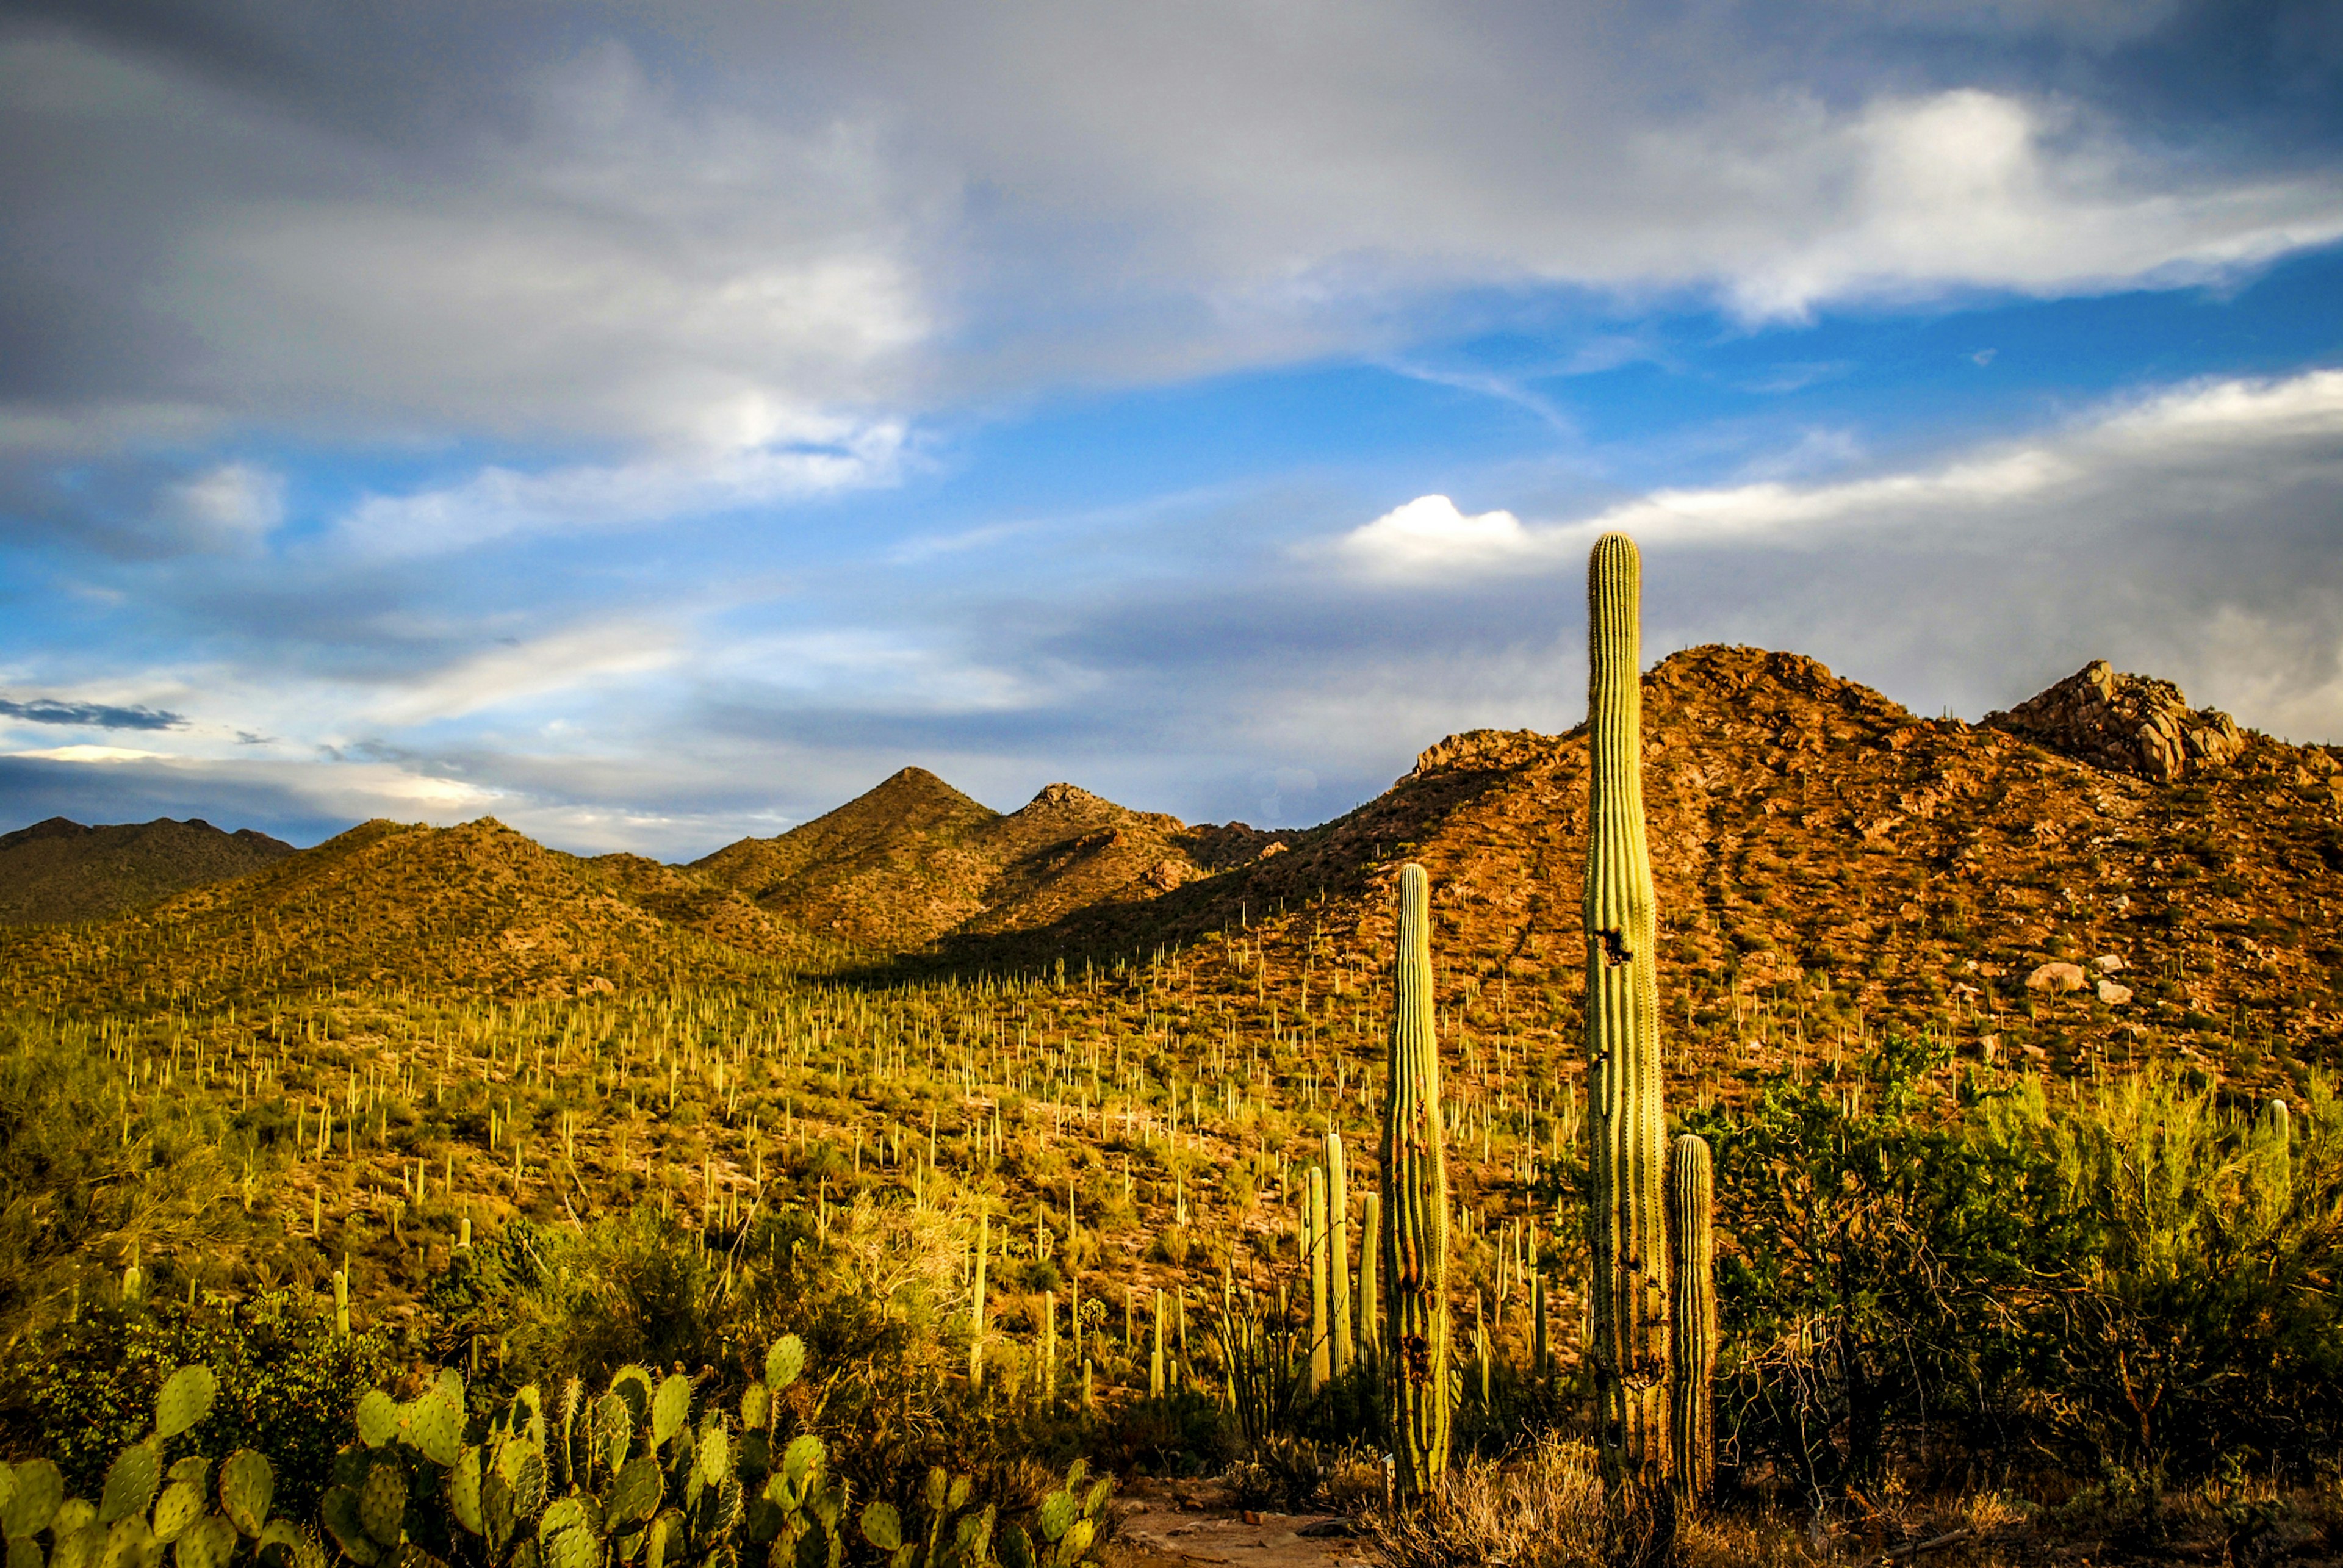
81	1391
2192	1318
1539	1508
1874	1247
2133	1272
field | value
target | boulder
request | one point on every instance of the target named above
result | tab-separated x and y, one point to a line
2108	963
2056	976
2114	995
2129	723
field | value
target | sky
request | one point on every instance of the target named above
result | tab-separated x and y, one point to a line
654	425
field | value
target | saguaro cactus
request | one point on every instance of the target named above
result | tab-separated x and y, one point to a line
1338	1252
1692	1219
1625	1215
1314	1243
976	1309
1371	1312
1415	1208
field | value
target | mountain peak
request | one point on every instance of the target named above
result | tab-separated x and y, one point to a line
2128	723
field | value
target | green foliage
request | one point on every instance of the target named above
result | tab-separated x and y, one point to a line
145	1509
2133	1272
82	1390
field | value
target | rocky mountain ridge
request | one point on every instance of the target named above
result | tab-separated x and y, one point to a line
62	870
1829	866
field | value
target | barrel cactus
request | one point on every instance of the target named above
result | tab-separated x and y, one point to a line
1415	1238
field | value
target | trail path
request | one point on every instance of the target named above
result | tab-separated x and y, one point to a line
1160	1526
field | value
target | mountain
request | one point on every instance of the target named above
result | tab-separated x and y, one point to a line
61	870
2097	873
1828	865
475	908
914	861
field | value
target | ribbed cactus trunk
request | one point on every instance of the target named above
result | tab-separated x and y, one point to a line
976	1308
1371	1306
1627	1152
1338	1254
1313	1241
1415	1238
1692	1225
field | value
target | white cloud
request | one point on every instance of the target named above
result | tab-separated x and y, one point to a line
230	506
783	458
583	656
90	754
1430	535
2224	420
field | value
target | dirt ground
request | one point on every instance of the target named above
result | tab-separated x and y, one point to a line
1160	1525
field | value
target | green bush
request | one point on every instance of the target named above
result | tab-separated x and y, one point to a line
82	1390
2136	1271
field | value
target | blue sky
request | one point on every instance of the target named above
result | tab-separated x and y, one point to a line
650	433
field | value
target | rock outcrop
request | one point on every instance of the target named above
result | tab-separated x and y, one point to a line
2128	723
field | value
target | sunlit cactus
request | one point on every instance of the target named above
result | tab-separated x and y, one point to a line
1626	1218
1315	1235
1691	1215
1338	1254
1415	1208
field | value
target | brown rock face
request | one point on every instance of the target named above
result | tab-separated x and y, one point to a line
2129	723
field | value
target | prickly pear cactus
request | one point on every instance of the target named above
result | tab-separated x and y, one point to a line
148	1508
1066	1524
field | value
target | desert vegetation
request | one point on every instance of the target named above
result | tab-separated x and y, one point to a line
770	1247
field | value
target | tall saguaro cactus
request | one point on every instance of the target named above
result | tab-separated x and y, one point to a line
1625	1215
1313	1243
1338	1252
1414	1238
1691	1224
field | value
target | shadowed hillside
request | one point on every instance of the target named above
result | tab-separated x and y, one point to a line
915	860
477	908
59	871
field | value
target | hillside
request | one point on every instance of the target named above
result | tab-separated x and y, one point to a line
477	908
60	870
914	861
1141	1081
1828	864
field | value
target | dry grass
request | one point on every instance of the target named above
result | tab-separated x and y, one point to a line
1540	1508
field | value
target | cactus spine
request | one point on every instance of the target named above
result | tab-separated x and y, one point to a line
1414	1238
1338	1252
1625	1219
1691	1217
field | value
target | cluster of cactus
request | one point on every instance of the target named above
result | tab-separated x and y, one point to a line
1415	1238
627	1479
952	1535
146	1509
1650	1221
624	1478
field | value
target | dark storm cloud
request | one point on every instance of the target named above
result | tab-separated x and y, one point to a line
90	715
33	789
